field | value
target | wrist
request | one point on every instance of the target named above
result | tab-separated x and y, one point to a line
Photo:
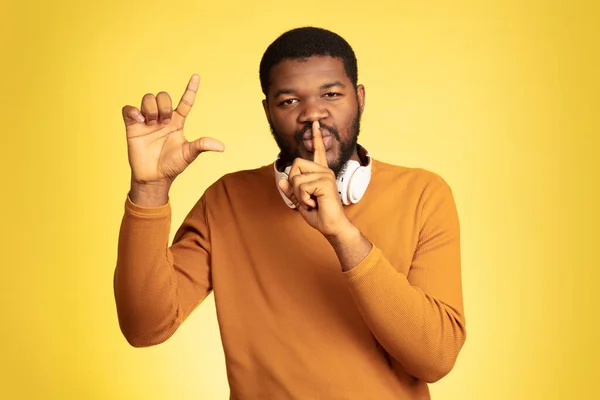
152	194
347	234
350	246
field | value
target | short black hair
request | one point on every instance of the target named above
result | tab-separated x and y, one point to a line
305	42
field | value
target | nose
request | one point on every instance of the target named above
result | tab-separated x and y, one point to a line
313	111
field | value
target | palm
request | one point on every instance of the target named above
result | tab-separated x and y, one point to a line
159	151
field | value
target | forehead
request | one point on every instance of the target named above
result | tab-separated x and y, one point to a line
306	73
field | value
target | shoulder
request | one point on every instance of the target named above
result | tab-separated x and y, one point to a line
427	191
247	176
408	178
254	179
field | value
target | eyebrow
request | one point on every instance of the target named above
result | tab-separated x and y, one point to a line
332	84
325	86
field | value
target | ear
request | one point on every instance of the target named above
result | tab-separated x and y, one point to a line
360	95
266	108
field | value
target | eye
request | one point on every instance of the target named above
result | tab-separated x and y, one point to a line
332	95
287	102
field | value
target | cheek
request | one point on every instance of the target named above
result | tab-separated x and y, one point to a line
284	122
285	131
346	131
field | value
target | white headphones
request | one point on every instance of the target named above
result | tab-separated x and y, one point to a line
352	183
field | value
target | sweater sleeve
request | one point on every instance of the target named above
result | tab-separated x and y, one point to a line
418	318
156	287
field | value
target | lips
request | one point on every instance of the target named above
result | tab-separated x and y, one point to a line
308	143
308	135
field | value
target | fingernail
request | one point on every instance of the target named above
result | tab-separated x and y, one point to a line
166	121
139	118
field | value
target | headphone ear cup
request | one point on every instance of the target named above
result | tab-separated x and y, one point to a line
353	183
358	184
344	179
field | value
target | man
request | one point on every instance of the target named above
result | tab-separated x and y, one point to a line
335	276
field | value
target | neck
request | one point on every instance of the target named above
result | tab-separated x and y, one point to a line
360	155
357	157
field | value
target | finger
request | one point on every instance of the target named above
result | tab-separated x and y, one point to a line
187	100
301	205
306	191
306	186
304	194
165	107
191	150
286	188
149	109
309	187
307	201
301	166
131	115
207	144
320	155
299	179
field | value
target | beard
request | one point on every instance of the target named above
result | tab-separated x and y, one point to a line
345	148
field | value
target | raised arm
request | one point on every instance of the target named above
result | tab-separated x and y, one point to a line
156	287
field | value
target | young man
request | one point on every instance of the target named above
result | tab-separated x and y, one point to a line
335	276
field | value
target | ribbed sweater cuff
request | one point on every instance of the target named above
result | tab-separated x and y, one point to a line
361	271
147	212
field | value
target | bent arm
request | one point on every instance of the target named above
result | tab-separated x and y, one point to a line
418	318
156	287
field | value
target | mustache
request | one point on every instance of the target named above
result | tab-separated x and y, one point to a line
299	135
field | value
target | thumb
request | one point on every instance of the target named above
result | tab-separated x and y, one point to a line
193	149
205	144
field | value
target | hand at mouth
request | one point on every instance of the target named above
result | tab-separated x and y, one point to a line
308	143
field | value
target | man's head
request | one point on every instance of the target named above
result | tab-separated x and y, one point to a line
310	74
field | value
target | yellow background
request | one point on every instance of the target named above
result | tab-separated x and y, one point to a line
500	99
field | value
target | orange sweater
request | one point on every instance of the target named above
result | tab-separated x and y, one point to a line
293	325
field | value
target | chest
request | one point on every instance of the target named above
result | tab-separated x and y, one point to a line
279	242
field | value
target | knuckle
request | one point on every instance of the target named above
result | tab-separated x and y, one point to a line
187	102
296	180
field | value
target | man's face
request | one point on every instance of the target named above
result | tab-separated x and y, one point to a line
301	92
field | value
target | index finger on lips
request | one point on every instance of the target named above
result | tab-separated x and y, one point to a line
320	155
